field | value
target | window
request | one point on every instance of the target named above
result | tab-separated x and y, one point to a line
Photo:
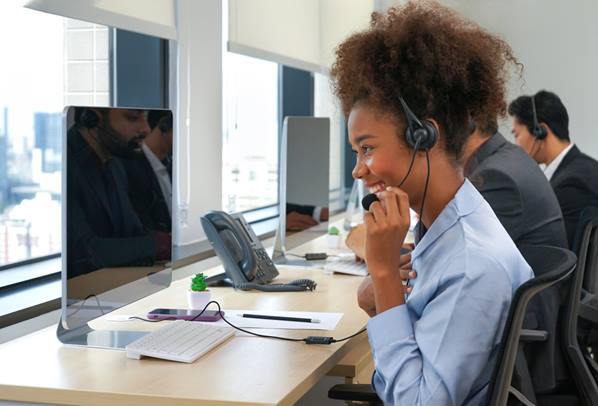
326	105
250	148
51	62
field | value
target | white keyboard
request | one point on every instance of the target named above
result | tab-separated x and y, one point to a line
183	341
348	266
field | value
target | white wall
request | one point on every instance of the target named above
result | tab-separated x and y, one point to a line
196	96
556	42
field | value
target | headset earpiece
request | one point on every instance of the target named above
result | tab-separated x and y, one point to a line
426	135
89	118
538	131
165	123
420	134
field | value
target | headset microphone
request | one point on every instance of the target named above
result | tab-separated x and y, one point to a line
367	200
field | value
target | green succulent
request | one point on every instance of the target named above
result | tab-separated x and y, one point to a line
198	283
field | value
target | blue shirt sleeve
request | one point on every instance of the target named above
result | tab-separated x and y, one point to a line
440	357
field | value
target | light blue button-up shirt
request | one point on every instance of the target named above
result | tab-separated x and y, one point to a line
439	348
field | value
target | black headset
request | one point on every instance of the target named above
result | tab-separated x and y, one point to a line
89	118
538	131
165	123
420	135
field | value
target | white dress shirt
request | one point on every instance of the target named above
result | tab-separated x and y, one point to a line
551	168
161	174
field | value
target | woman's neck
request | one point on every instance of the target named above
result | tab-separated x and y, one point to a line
445	181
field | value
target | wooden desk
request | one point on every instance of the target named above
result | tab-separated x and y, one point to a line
248	370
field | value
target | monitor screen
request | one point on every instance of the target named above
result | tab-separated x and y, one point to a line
117	211
304	179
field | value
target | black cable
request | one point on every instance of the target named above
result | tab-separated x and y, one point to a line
239	328
421	209
307	340
309	255
351	336
415	149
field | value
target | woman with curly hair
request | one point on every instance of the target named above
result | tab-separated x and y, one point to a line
414	87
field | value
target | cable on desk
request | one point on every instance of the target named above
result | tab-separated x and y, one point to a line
306	340
313	256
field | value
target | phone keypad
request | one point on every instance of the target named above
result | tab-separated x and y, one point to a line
264	263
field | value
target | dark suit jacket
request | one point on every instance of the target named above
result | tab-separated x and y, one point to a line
525	204
146	196
575	183
103	230
518	192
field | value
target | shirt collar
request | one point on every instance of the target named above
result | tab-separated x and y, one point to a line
466	200
553	166
156	164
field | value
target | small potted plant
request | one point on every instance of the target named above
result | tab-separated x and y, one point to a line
334	237
198	294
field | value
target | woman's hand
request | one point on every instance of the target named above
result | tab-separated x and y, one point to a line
365	292
386	225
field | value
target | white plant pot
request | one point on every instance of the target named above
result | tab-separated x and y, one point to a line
198	300
334	241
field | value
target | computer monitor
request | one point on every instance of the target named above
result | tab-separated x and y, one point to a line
117	221
304	184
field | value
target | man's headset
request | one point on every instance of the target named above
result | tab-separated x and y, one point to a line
538	131
165	123
89	119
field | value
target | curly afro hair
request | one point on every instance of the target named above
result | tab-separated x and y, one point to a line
445	67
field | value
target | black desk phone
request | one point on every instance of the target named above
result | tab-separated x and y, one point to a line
246	263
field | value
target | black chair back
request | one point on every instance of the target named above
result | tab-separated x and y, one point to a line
553	265
584	276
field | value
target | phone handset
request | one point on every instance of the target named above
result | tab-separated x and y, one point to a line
223	234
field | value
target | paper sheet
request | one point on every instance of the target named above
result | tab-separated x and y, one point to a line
328	321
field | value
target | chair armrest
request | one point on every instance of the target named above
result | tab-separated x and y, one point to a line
588	307
528	336
356	392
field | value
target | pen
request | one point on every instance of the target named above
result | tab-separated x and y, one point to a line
282	318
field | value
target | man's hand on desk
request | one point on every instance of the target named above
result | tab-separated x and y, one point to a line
365	292
297	221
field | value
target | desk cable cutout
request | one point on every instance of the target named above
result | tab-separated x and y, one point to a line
306	340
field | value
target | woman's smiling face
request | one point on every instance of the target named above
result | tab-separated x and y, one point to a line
383	157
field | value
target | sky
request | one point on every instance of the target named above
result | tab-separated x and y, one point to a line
32	69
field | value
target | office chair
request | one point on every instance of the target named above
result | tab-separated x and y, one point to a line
561	263
581	311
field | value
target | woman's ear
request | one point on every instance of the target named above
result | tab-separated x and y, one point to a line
435	124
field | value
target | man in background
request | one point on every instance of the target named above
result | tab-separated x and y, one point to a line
541	128
103	229
150	174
